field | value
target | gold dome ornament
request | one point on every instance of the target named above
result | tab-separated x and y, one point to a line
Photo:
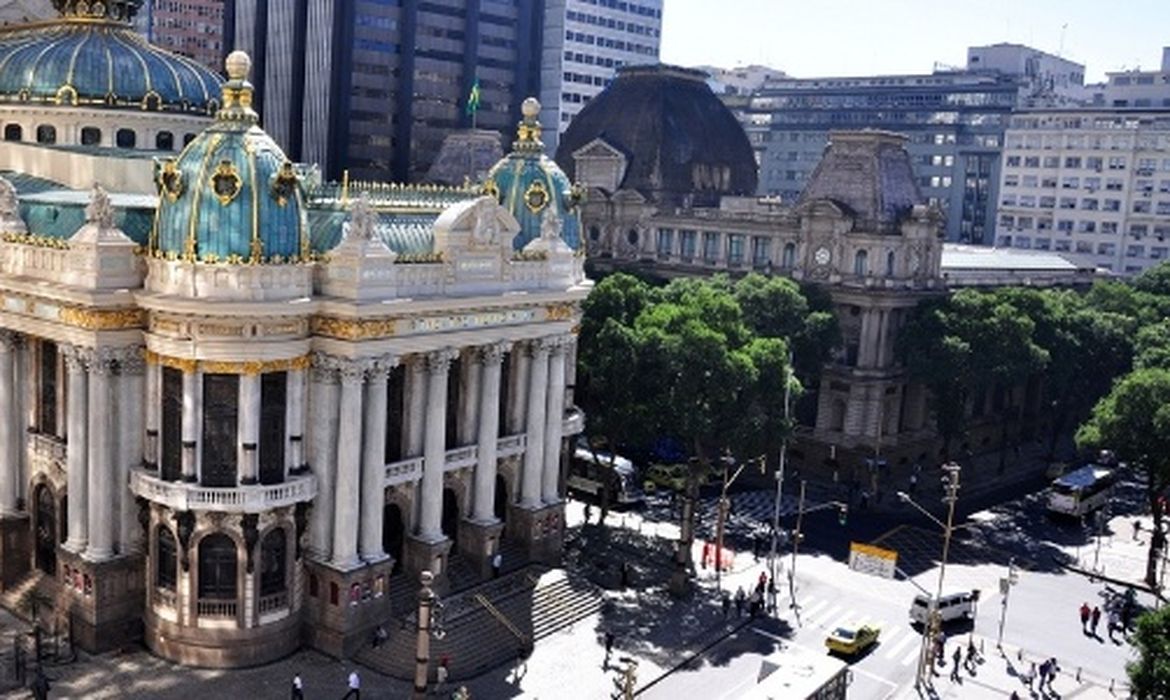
237	91
528	132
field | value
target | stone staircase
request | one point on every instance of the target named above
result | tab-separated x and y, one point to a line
36	585
491	624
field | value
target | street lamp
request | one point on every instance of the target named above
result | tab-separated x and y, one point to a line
428	625
930	628
780	468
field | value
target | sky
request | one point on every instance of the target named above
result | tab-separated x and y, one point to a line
822	38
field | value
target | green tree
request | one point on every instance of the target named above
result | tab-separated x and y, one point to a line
1149	676
1133	420
1152	346
1155	280
940	359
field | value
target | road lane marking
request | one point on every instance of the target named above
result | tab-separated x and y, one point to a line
810	612
910	657
831	612
899	646
841	621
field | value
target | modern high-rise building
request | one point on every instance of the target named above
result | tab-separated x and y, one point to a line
585	42
1093	181
954	119
385	82
192	28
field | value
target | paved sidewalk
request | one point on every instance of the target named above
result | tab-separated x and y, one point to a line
999	673
1118	555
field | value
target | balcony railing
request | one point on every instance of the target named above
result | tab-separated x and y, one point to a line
510	445
272	603
237	499
219	609
460	457
46	450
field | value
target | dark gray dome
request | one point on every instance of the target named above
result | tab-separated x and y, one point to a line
679	138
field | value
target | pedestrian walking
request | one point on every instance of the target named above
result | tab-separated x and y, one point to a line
588	512
608	649
1085	613
40	685
740	599
1053	669
864	501
762	581
706	554
1137	529
298	688
353	687
957	657
1114	622
380	637
726	604
625	574
1030	677
1043	674
1094	618
972	656
497	564
913	483
441	674
772	595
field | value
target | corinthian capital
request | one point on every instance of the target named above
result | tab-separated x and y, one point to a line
77	358
440	360
493	353
324	367
10	340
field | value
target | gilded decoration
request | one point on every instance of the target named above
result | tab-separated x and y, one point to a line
170	180
101	319
491	189
536	196
350	329
228	366
284	184
226	182
559	312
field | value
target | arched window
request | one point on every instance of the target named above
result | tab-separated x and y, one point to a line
13	132
91	136
165	559
861	263
217	567
164	141
890	263
46	133
273	553
789	260
126	138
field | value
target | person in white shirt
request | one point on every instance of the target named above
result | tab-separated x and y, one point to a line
355	687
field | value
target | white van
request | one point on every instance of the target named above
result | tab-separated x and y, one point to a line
952	606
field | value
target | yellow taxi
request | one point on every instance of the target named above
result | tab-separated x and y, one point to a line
851	641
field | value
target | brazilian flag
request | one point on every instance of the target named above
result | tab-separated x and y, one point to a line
473	99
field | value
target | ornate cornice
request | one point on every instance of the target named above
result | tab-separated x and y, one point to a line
229	366
353	329
560	312
101	319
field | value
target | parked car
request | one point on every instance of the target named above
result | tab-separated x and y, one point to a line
852	640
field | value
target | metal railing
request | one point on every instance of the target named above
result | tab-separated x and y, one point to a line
272	602
221	609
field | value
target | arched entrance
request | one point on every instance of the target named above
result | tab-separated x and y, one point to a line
393	533
450	513
46	530
501	505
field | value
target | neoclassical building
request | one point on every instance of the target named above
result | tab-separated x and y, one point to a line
235	409
667	196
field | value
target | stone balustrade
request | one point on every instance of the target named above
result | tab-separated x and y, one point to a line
240	499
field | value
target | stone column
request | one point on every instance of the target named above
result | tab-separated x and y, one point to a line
77	447
248	425
469	407
349	444
430	525
883	337
323	396
294	459
130	413
153	400
101	473
518	401
192	421
865	349
373	496
555	422
490	358
416	390
9	425
530	492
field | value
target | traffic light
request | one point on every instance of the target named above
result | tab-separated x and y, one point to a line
842	513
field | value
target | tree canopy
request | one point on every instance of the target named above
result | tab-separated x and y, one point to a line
1149	675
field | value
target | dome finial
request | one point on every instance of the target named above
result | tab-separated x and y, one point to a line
528	132
237	91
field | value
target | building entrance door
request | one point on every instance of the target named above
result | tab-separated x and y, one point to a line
393	533
46	530
450	513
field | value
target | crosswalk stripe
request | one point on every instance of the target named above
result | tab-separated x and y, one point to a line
810	612
911	656
899	646
828	613
846	617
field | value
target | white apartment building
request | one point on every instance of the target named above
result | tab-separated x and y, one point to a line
585	41
1091	182
1134	88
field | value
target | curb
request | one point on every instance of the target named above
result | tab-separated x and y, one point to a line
1143	586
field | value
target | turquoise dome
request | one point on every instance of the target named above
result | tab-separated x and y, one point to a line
231	196
528	183
92	56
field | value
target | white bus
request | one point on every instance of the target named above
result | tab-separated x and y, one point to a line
586	471
795	673
1081	491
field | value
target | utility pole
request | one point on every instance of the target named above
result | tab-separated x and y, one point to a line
724	507
1005	588
930	628
780	472
795	546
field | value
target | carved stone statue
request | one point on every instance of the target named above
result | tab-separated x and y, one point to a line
485	232
550	225
99	211
362	219
9	205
